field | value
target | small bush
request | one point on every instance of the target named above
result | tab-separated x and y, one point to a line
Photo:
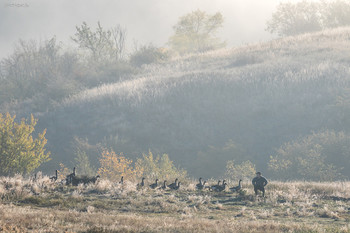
114	166
148	54
245	170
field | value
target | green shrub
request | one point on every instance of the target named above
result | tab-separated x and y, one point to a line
19	152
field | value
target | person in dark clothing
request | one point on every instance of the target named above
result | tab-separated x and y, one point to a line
259	183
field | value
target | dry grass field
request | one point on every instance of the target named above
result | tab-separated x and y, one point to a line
46	206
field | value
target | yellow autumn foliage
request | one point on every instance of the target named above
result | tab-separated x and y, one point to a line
114	166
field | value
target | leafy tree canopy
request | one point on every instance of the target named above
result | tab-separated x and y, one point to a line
195	32
19	152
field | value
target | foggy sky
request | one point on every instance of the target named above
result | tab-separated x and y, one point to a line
146	21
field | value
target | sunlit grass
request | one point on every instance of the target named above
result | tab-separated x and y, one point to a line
106	206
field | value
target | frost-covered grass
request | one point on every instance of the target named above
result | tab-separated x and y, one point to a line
111	207
243	64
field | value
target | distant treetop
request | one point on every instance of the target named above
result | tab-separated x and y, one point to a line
195	32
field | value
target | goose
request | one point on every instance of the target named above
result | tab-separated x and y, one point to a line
178	186
121	180
142	184
213	187
173	185
69	178
164	185
54	178
201	184
221	188
154	185
237	188
218	187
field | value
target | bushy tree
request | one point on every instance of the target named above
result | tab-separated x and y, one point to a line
295	18
83	163
160	167
103	45
246	170
39	72
196	32
114	166
19	152
322	156
308	16
335	13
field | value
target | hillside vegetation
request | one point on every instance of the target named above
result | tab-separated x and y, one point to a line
235	104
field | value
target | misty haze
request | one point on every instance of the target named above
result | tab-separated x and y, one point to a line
164	108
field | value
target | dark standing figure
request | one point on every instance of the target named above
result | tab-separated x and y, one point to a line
201	184
54	178
154	185
259	183
164	185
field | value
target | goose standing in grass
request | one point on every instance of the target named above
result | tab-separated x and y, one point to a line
154	185
178	186
173	185
69	178
164	185
201	184
142	184
237	188
213	187
54	178
222	187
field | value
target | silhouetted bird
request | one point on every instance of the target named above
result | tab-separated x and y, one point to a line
54	178
237	188
219	187
154	185
201	184
142	184
216	185
164	185
173	185
178	186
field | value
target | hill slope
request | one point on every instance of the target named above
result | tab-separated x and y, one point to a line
206	109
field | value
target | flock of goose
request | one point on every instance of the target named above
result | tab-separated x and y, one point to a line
155	185
219	187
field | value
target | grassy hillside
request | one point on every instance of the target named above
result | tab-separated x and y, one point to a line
237	104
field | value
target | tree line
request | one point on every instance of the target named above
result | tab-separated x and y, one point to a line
308	16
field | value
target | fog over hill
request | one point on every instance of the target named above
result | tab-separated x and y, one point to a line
233	104
148	21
